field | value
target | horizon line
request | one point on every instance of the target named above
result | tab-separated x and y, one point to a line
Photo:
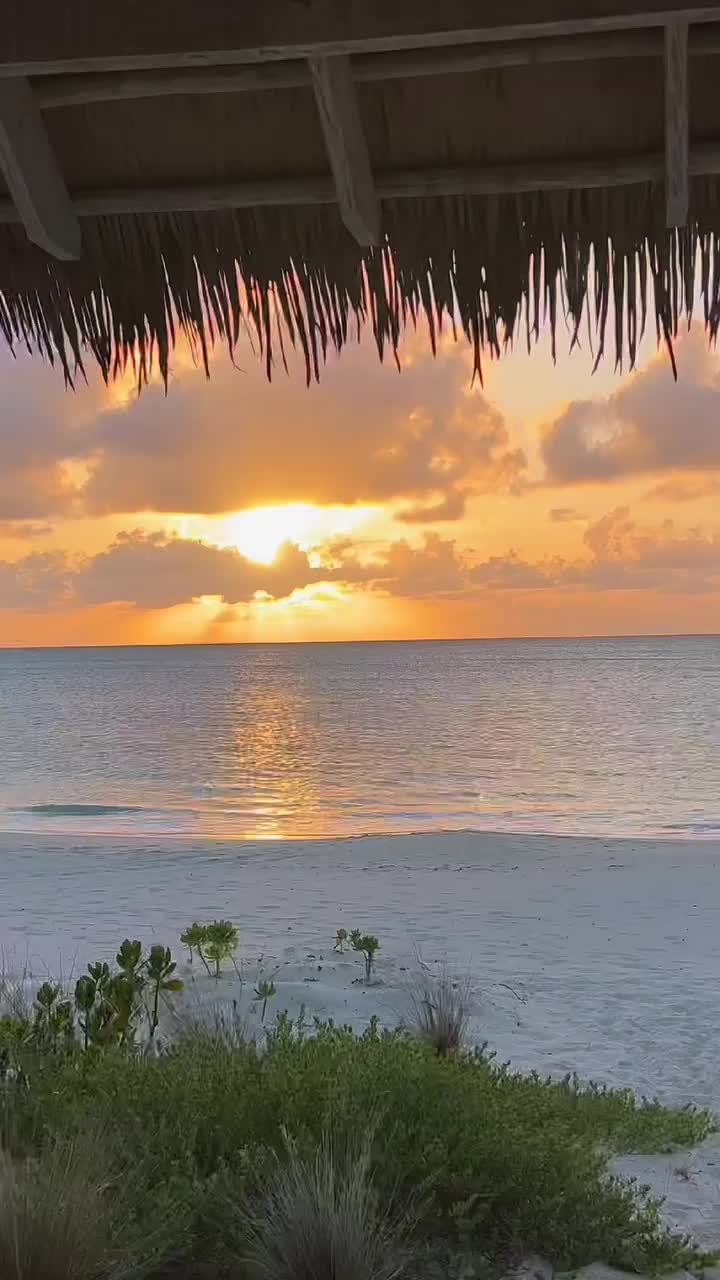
235	644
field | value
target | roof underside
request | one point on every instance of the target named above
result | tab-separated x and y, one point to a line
516	169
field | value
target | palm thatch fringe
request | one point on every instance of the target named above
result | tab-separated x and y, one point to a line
497	267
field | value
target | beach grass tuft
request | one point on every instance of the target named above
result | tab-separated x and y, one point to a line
440	1010
319	1217
61	1218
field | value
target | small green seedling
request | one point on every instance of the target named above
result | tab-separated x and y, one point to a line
100	974
341	938
368	946
265	991
195	938
160	968
85	993
221	942
129	957
54	1019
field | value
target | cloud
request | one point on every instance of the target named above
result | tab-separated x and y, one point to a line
425	437
684	489
368	434
451	507
156	572
649	424
148	571
23	530
565	515
42	426
434	569
36	582
620	555
152	571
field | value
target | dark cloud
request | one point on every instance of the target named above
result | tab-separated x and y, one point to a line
649	425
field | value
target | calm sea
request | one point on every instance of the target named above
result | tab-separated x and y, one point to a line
612	736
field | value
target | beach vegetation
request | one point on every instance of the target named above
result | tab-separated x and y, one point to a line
160	969
319	1217
214	942
194	939
497	1162
368	946
341	938
106	1010
440	1011
53	1023
264	991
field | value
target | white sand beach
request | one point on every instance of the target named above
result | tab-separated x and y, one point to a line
599	957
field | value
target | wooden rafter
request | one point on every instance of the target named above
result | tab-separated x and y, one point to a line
346	147
404	184
32	175
38	37
109	86
677	132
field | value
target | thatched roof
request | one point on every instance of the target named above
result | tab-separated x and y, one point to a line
505	170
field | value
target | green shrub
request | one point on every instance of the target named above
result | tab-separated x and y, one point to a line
502	1161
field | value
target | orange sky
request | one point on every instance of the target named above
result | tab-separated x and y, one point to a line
376	505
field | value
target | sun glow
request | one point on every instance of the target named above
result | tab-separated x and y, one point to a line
260	532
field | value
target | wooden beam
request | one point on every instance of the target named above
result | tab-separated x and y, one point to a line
31	173
112	86
401	184
38	37
677	129
346	147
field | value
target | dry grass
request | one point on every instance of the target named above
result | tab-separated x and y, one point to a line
64	1217
54	1217
320	1219
440	1011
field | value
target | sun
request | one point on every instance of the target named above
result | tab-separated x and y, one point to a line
260	532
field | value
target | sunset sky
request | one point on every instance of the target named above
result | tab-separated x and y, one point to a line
377	505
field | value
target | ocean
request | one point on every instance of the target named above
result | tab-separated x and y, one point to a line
606	737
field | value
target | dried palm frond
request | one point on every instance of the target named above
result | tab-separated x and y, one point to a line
497	267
